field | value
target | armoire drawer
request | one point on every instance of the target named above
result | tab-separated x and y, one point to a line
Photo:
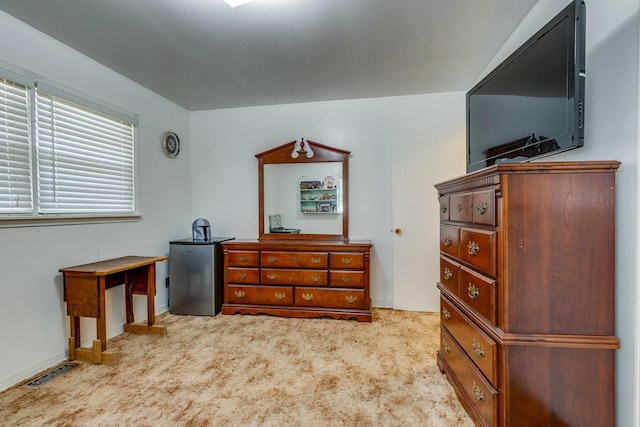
460	205
243	275
481	394
244	258
346	261
480	348
444	208
449	239
484	207
262	295
346	279
480	293
335	298
285	276
478	248
449	272
317	260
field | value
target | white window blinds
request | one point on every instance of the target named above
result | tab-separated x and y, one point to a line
15	149
85	159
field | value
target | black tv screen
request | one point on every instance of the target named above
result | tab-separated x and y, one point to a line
532	104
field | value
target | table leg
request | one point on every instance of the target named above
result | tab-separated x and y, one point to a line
151	294
128	298
101	320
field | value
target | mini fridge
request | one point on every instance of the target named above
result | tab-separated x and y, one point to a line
195	276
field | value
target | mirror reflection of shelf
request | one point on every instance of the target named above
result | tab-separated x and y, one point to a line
319	200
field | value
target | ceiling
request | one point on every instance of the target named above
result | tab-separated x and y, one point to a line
203	55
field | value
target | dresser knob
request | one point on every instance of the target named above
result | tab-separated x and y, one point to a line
478	393
448	240
477	349
473	292
280	295
307	297
239	294
473	248
482	207
351	299
446	315
448	274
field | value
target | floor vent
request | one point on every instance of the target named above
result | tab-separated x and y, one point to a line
53	373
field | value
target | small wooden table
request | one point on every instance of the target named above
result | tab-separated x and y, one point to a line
84	291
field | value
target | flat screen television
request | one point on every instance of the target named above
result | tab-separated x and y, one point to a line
532	104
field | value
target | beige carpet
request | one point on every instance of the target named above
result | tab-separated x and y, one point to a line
255	371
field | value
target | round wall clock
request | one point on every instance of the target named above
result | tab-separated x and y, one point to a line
171	144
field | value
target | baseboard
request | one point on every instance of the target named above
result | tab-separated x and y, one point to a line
25	374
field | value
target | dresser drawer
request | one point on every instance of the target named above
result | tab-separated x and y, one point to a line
479	292
484	207
243	275
482	395
444	208
481	349
449	239
282	276
264	295
460	206
449	274
346	279
334	298
346	261
243	258
478	248
317	260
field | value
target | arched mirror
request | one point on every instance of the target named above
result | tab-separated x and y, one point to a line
303	192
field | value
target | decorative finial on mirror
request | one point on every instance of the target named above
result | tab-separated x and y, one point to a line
301	150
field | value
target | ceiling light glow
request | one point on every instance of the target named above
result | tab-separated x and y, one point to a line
236	3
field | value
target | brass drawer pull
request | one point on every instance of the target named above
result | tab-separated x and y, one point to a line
239	294
351	299
459	207
271	276
346	279
448	274
478	393
482	207
243	258
294	259
307	297
280	295
346	261
477	349
448	240
473	292
444	208
445	346
446	315
473	248
243	275
316	260
315	278
272	259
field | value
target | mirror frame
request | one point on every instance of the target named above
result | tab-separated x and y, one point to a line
283	154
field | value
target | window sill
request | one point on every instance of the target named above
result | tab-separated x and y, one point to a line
18	222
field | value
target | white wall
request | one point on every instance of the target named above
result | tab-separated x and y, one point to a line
611	132
33	322
225	171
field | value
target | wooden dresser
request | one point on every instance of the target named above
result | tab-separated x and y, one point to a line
298	278
527	293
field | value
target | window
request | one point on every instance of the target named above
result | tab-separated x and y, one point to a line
61	155
15	149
